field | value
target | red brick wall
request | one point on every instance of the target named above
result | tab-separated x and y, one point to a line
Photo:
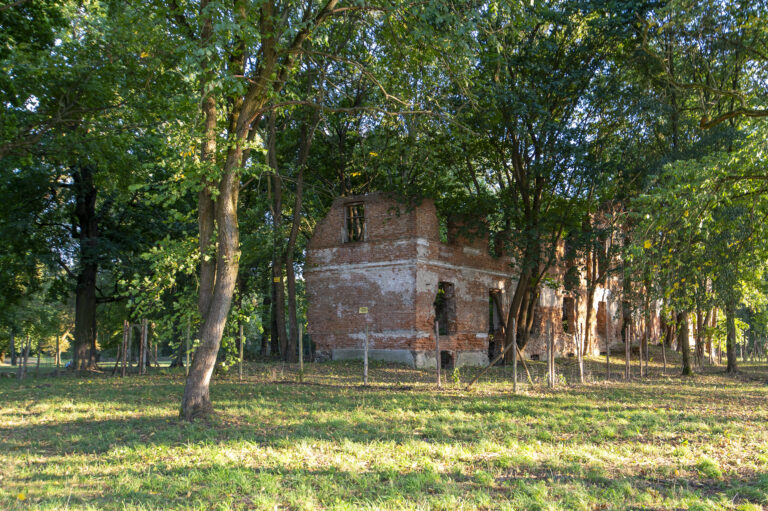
395	273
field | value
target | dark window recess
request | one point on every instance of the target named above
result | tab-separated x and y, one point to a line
491	315
569	314
355	222
446	360
445	308
602	319
538	326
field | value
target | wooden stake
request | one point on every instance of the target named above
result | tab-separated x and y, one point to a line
514	356
437	352
126	335
242	341
143	360
579	343
627	342
647	344
499	357
550	379
640	351
186	342
301	348
58	353
365	354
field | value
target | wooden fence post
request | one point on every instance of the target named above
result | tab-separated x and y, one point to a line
580	345
240	368
144	346
514	356
437	352
186	342
126	335
365	354
550	376
301	349
627	343
58	353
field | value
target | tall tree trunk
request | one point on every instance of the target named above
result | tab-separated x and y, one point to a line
683	343
305	144
85	291
276	63
197	401
730	340
277	238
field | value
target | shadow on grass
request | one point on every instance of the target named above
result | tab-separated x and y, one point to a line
146	414
537	486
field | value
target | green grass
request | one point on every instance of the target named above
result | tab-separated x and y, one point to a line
108	443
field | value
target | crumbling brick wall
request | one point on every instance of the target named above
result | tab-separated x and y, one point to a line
395	272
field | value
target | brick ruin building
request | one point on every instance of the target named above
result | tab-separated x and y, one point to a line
372	252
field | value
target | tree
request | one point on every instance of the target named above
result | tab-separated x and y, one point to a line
537	89
712	233
723	53
247	54
90	129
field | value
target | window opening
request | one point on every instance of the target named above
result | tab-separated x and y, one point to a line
355	222
445	308
568	315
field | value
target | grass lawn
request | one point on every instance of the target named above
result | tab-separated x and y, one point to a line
99	442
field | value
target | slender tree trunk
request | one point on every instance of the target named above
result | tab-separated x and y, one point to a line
305	145
647	337
586	344
24	356
517	304
178	358
293	323
627	352
699	338
13	348
277	238
730	340
141	349
683	343
273	336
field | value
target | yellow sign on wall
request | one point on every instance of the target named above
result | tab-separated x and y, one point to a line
363	310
